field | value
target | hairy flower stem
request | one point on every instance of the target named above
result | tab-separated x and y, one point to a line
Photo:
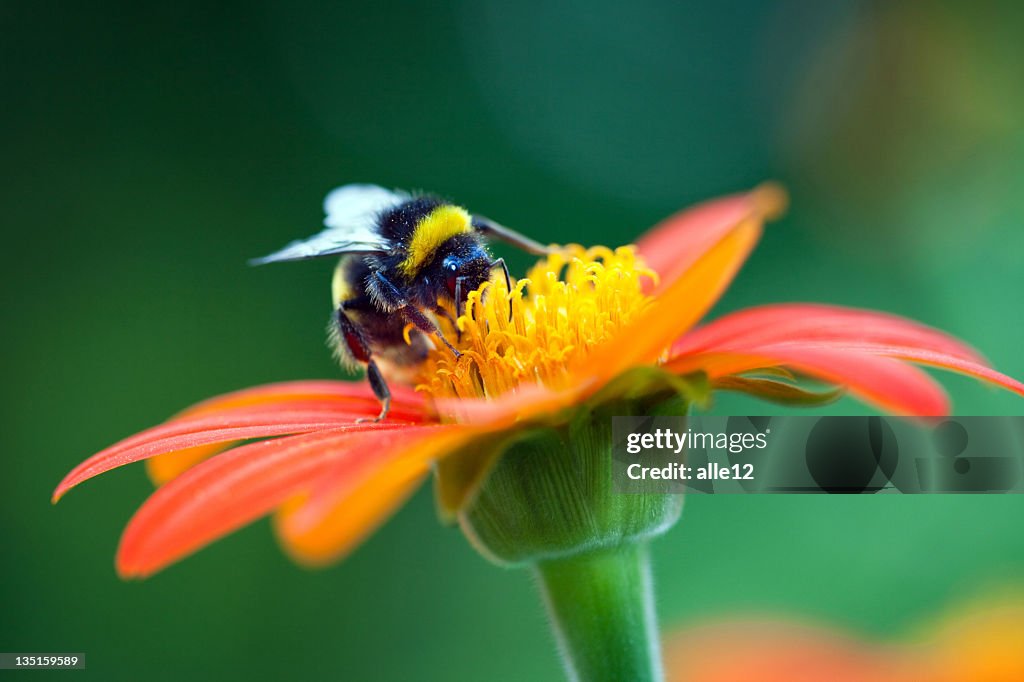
602	610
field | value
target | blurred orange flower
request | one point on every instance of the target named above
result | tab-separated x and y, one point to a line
588	325
980	642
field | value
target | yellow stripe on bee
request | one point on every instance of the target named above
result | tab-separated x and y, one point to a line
341	288
437	227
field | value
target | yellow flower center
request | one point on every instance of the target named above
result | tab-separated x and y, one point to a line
569	302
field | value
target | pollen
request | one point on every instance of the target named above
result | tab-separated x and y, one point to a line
570	302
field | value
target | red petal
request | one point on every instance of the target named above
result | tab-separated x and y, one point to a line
166	466
673	246
888	383
953	364
809	323
240	424
239	486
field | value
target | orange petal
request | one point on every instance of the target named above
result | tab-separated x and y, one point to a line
982	642
674	245
888	383
363	511
342	509
239	486
169	466
528	402
676	309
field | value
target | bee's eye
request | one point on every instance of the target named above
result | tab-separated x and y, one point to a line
451	271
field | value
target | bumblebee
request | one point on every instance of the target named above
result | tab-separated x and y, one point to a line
404	260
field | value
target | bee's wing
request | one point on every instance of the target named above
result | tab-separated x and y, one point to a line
352	213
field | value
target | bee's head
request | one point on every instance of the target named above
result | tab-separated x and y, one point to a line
460	266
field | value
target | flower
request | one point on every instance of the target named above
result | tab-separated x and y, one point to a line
587	327
978	641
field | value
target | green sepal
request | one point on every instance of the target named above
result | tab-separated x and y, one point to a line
458	476
773	372
778	392
550	495
651	386
647	390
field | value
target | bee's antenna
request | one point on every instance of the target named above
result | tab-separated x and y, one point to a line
500	232
458	296
508	284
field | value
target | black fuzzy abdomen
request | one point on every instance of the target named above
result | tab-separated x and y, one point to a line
385	333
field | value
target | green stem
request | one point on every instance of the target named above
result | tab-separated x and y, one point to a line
601	605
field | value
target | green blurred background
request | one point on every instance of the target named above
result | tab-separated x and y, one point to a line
148	151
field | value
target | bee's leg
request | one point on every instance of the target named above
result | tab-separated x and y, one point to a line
394	300
380	389
424	324
443	312
356	342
